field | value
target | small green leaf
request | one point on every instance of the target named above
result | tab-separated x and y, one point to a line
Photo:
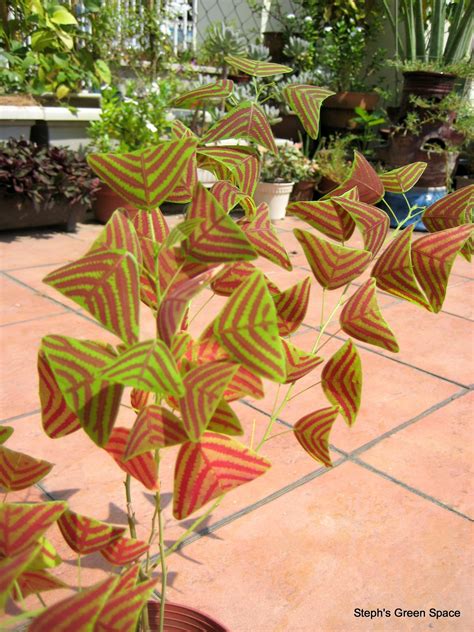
62	16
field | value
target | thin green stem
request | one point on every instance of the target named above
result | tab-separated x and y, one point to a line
79	572
202	307
390	209
42	601
152	531
164	569
330	337
304	390
130	512
20	595
278	434
252	435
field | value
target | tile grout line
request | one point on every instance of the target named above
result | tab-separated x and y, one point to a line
21	416
39	265
32	320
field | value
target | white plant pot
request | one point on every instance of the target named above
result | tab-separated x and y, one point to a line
276	195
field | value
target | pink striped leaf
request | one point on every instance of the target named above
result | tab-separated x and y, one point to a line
247	327
180	343
394	272
244	383
207	469
123	551
147	365
155	427
204	387
404	178
22	524
124	606
142	467
146	177
371	221
151	225
256	68
181	232
326	216
10	569
365	178
229	196
87	535
105	284
233	275
79	612
215	91
247	174
361	318
333	265
248	121
179	130
33	582
264	239
183	193
225	421
312	432
138	399
306	102
298	362
19	471
433	256
76	366
119	234
341	379
291	306
5	433
222	160
46	557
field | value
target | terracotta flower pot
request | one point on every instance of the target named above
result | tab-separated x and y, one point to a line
303	191
338	110
106	202
289	127
276	195
18	211
182	618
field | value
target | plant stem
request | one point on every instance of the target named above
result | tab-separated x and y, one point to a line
304	390
152	531
279	434
20	595
79	572
164	569
130	512
390	209
42	601
201	308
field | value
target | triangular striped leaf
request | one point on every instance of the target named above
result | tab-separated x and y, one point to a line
33	582
291	306
173	307
244	383
226	282
394	270
247	328
225	421
183	193
22	524
333	265
76	366
264	239
365	178
10	569
179	130
341	379
123	607
247	174
119	234
87	535
256	68
222	160
248	121
142	467
404	178
326	216
306	102
147	365
47	556
174	268
312	432
138	399
5	433
361	318
19	471
204	388
180	343
151	225
298	362
207	469
78	613
371	221
433	256
146	177
229	196
124	551
216	91
181	232
155	427
106	284
217	238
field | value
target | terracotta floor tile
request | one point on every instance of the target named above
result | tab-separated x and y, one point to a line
18	303
346	540
463	268
460	298
434	455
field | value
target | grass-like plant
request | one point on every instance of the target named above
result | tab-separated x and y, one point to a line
184	386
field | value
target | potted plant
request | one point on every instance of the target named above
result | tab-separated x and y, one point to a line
42	186
182	386
332	160
278	174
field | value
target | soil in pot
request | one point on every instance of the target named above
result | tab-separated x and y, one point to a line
107	202
182	618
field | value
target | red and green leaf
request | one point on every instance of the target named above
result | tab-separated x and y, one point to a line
221	160
225	421
228	196
146	177
86	535
298	362
312	432
365	178
264	239
291	306
204	388
404	178
123	607
361	318
433	256
155	427
256	68
183	193
106	284
244	383
371	221
10	569
138	399
247	328
207	469
248	121
179	130
333	265
394	270
233	275
216	91
151	225
306	102
124	551
24	523
5	433
32	582
341	380
19	471
326	216
47	556
246	174
119	234
142	467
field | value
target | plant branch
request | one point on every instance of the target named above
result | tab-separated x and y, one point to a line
130	512
194	526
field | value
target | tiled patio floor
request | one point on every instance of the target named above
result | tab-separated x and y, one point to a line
390	526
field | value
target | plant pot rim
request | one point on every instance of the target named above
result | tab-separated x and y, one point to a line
429	73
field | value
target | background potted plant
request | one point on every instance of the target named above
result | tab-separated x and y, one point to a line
42	186
278	175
